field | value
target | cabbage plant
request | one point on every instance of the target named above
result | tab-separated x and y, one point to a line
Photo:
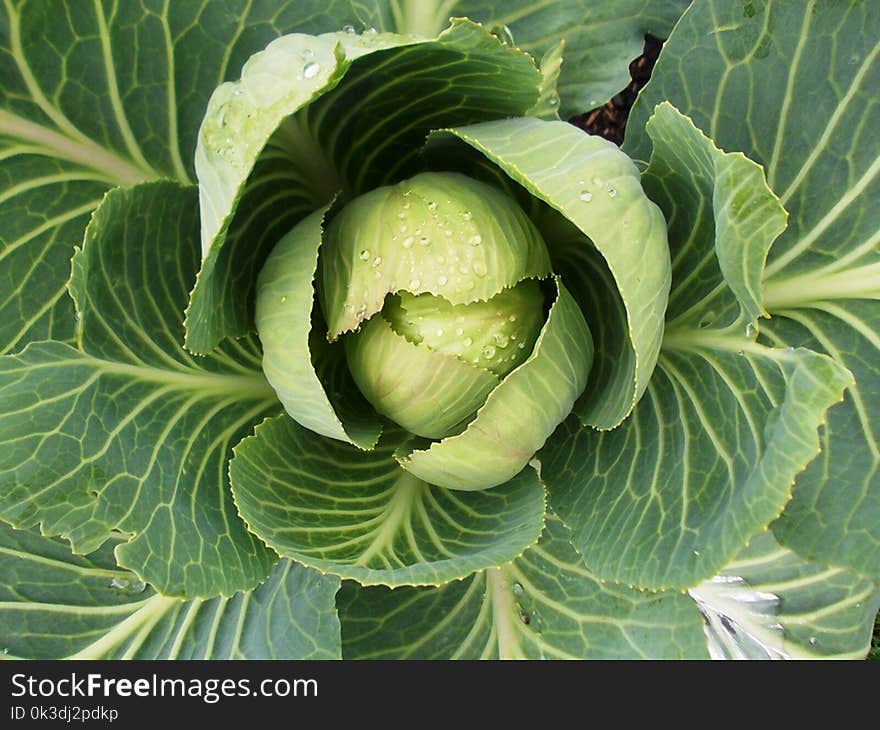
325	336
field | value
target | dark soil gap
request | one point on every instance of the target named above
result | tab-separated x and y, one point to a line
609	120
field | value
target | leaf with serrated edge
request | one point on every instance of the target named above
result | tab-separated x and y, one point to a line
359	515
590	182
544	604
350	132
519	414
820	145
130	432
57	605
709	455
284	309
601	36
771	604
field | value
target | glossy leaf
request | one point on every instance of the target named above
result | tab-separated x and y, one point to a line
543	605
359	515
821	284
709	454
771	604
57	605
131	433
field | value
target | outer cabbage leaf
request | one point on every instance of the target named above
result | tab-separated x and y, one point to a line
543	605
600	37
771	604
796	86
57	605
131	433
359	515
99	94
708	456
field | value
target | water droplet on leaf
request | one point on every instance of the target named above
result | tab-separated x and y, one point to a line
310	70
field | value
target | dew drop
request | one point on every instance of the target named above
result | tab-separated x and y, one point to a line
511	318
401	215
467	342
522	345
377	261
586	196
447	233
432	205
348	28
362	310
311	69
501	340
283	299
415	284
750	330
408	241
813	640
459	331
130	586
611	192
364	254
370	31
467	215
424	241
441	280
488	352
517	589
378	274
476	240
